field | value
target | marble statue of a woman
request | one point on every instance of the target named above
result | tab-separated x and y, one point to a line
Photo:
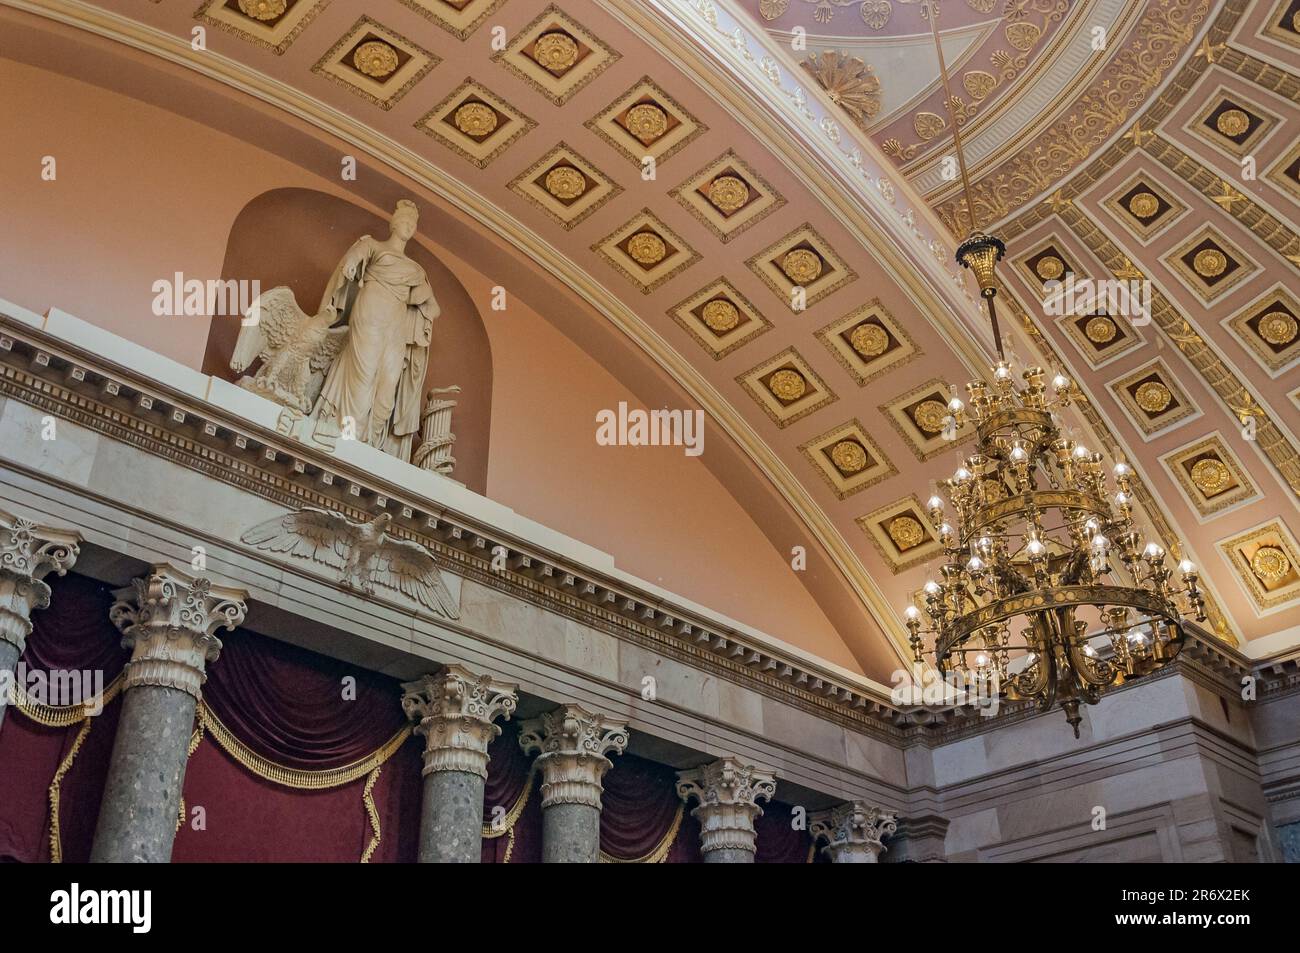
374	388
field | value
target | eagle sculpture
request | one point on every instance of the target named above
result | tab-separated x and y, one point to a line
364	552
296	349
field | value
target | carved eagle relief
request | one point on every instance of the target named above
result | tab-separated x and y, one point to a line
296	349
364	552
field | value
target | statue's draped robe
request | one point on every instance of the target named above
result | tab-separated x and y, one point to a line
378	378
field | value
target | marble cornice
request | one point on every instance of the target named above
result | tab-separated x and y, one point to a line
1278	675
72	383
58	378
1204	659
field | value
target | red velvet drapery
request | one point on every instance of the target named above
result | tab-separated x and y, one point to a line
73	634
295	709
287	707
510	778
779	840
640	808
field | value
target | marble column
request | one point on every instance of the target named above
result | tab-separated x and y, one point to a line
728	791
454	711
28	553
853	832
169	620
573	744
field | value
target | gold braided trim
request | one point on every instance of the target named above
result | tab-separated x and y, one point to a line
65	716
195	739
56	838
508	828
297	777
367	798
657	854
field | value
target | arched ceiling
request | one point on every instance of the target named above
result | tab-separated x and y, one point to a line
1076	117
825	411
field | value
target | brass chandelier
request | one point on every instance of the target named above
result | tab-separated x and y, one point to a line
1047	590
1041	566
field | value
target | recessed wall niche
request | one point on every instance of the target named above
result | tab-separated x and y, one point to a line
295	237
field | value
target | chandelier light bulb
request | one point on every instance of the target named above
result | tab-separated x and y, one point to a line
1081	452
955	406
981	661
1018	454
975	564
1121	498
1035	547
1122	470
1060	383
962	475
945	530
935	503
912	613
1100	542
931	587
1187	567
1002	372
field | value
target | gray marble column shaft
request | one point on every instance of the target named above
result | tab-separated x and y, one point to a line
451	821
169	621
729	855
572	744
454	712
570	834
142	796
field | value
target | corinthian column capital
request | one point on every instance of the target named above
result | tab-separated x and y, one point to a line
854	832
573	744
454	711
728	791
29	553
169	620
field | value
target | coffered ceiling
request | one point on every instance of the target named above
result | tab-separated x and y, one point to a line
764	242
